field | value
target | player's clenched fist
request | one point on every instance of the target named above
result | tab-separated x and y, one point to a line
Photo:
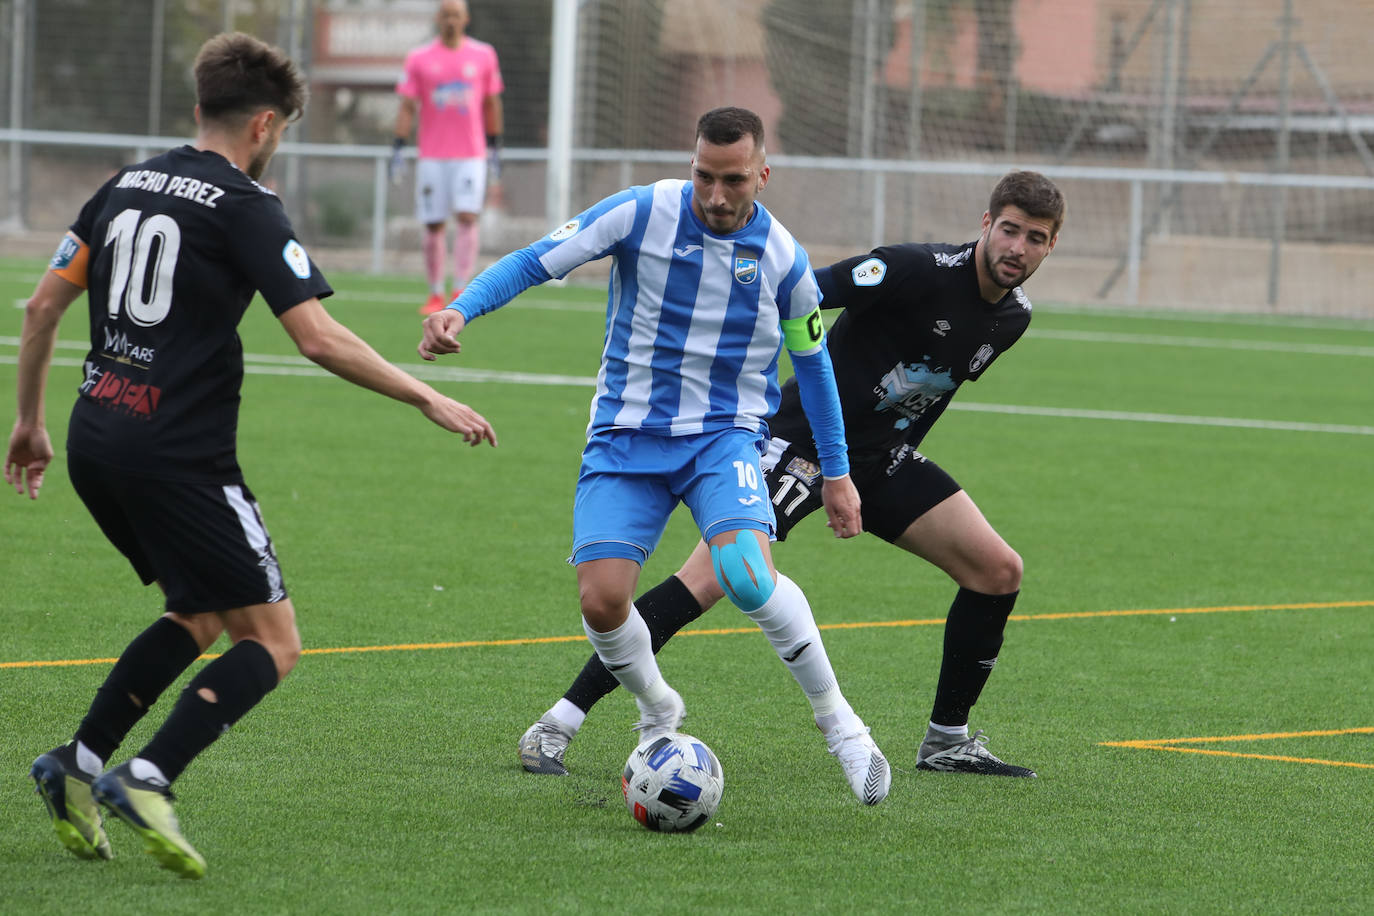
441	334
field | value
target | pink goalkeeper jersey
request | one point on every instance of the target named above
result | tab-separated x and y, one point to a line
451	85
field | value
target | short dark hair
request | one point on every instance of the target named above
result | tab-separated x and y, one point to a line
724	126
1031	192
238	75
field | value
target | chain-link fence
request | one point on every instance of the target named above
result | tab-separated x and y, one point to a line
1214	153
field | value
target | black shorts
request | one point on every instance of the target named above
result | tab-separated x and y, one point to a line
895	492
204	543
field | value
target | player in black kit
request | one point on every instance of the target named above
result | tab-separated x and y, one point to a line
919	320
172	251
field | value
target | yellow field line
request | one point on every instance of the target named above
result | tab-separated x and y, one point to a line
1157	743
1175	744
730	631
1279	757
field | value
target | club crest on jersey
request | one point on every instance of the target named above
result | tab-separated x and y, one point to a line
296	259
566	231
746	269
981	358
869	272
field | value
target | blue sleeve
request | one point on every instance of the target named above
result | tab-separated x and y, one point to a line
500	283
821	403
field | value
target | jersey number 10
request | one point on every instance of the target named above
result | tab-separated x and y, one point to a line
145	257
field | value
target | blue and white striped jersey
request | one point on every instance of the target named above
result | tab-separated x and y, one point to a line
692	321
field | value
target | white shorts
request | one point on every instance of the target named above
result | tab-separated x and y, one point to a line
447	186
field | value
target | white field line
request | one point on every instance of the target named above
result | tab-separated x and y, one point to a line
1208	343
1110	337
298	366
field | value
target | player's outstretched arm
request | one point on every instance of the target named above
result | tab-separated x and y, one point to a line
328	343
841	499
30	449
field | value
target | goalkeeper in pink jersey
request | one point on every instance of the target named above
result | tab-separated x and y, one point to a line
454	83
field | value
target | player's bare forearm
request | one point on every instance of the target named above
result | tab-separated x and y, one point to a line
333	346
841	499
42	315
30	449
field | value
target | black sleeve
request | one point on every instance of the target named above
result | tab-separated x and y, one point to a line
84	227
263	245
868	280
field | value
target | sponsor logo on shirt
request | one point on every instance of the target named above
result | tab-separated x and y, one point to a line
941	328
121	349
869	272
804	470
910	390
566	231
121	393
296	259
686	250
453	94
746	270
981	358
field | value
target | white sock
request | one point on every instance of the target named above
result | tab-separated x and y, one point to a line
786	620
87	760
627	653
567	714
147	771
948	734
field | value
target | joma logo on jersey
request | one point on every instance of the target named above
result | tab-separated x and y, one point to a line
123	394
746	269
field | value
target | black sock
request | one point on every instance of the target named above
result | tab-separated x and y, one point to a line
666	608
150	664
239	678
973	636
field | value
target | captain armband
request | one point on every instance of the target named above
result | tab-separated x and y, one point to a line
71	260
803	335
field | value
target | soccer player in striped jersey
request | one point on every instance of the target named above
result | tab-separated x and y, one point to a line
706	288
918	321
171	251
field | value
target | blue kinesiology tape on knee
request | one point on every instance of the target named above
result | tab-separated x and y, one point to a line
743	572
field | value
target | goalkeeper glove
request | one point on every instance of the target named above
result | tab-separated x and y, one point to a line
494	157
397	164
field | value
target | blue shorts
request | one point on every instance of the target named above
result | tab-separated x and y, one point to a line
631	481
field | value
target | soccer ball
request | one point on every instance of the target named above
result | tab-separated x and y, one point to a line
672	783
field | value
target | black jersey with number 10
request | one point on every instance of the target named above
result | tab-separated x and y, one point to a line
178	246
914	328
